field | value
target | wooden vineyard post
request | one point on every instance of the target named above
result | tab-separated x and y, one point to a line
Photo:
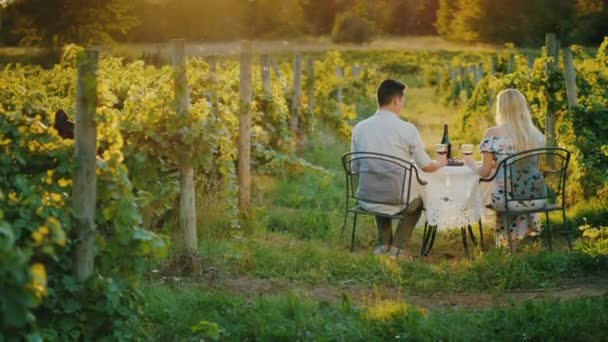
530	61
339	93
297	93
213	70
438	80
493	65
551	49
530	64
570	76
479	72
84	190
277	72
472	71
310	69
265	71
244	141
461	75
490	101
511	65
187	205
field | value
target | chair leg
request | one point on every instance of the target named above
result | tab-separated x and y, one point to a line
548	227
568	229
464	242
352	240
481	236
433	235
508	230
344	223
425	238
473	240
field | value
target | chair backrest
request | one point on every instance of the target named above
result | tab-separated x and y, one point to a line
537	174
379	178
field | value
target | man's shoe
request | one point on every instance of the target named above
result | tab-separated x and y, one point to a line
381	250
397	253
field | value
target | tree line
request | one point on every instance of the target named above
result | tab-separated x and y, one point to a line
524	22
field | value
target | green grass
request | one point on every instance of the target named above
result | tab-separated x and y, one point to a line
294	235
293	239
172	312
282	257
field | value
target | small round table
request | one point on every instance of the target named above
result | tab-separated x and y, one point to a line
453	198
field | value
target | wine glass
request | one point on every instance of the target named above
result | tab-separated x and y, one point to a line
467	149
441	148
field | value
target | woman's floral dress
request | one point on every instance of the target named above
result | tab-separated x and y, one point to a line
527	182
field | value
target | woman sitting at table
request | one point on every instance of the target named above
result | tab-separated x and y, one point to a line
514	133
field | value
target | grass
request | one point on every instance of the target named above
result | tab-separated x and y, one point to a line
172	312
294	235
282	257
293	240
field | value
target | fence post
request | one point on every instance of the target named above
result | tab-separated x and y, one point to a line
490	101
530	59
265	71
479	72
297	92
277	72
511	65
339	95
187	207
438	78
244	141
84	189
570	76
212	60
463	75
311	84
356	69
551	50
494	64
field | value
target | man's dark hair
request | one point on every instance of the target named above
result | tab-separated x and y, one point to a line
388	89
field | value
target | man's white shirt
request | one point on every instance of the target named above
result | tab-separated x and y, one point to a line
386	133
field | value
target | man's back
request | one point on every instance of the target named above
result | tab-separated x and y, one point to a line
385	133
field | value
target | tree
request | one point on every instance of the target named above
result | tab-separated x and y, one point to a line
466	24
411	17
445	16
57	22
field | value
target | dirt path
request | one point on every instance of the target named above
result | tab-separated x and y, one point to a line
249	287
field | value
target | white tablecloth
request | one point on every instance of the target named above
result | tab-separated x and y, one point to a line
453	197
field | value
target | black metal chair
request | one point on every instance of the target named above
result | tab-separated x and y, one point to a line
388	181
548	166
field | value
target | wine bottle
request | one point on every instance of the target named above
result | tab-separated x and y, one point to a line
446	140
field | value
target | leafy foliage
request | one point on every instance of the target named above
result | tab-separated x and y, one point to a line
594	241
57	22
522	21
581	130
140	142
37	246
352	29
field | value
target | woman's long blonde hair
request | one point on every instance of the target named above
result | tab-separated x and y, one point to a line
512	112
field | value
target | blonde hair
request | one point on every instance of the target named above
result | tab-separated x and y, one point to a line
512	112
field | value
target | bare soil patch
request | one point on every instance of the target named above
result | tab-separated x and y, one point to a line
250	287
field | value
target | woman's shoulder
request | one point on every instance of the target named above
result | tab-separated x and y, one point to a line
495	131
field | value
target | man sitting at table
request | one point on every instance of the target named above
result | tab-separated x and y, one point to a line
384	132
